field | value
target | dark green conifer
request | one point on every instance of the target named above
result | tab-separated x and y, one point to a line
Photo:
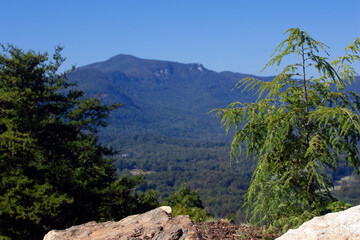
53	171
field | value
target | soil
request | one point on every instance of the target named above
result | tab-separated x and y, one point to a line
226	230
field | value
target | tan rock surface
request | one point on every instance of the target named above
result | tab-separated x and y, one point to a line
155	224
339	226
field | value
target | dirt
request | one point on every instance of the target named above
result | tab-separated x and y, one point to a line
226	230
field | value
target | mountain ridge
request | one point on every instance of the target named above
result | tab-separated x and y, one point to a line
165	128
164	97
166	89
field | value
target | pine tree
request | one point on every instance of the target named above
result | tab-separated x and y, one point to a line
53	171
301	125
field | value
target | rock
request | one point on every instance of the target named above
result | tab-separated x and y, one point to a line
155	224
340	226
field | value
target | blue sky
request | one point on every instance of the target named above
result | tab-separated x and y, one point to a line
235	35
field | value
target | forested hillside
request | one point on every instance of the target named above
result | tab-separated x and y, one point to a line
161	97
169	162
165	130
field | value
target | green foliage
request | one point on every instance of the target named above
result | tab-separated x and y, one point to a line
53	171
186	202
168	162
165	128
300	126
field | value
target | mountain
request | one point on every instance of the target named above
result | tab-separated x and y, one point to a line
165	129
161	97
166	132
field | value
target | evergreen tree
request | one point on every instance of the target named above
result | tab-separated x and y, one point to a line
301	124
53	171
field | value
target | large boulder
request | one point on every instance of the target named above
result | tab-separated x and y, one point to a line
155	224
339	226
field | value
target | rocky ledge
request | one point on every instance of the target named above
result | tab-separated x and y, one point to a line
158	224
344	225
155	224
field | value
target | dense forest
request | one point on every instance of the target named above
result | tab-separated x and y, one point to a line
166	163
205	166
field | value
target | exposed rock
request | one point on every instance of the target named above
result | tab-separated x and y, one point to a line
340	226
155	224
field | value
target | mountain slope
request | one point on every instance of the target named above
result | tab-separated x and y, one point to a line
165	129
161	97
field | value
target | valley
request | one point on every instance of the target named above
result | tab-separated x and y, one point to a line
166	129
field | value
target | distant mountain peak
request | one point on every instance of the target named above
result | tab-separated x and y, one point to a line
122	57
165	97
146	68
